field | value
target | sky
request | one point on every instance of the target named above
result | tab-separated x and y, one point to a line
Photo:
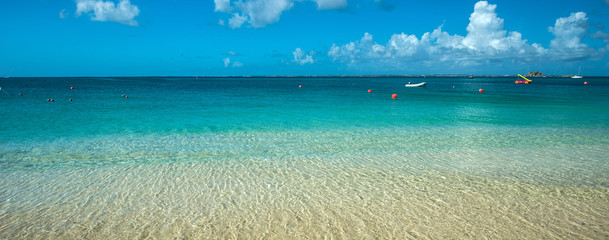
302	37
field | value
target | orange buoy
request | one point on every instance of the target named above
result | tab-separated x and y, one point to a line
299	86
369	90
481	90
585	83
48	100
394	96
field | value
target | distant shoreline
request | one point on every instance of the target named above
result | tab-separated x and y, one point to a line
325	76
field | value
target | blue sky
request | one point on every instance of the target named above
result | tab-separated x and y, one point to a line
301	37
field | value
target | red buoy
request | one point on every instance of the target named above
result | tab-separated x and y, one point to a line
299	86
71	87
48	100
394	96
481	90
585	83
52	100
126	96
369	90
70	99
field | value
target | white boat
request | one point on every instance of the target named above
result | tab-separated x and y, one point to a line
422	84
579	73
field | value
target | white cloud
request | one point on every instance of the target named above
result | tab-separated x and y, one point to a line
236	21
569	31
221	22
400	45
63	13
485	30
222	6
486	41
123	12
260	13
301	58
227	63
331	4
568	34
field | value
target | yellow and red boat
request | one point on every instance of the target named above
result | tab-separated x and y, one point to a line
525	81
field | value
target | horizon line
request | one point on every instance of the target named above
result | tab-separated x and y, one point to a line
310	76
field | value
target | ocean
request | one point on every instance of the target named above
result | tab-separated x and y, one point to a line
298	157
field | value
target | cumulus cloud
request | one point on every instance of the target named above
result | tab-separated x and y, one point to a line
569	31
236	21
568	34
301	58
123	12
486	41
485	30
260	13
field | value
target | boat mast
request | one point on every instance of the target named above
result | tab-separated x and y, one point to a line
2	90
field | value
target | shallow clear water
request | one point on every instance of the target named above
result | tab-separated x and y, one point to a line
263	158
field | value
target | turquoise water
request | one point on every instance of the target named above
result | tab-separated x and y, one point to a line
265	158
187	105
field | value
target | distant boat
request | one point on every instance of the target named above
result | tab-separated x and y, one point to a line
579	73
422	84
525	81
